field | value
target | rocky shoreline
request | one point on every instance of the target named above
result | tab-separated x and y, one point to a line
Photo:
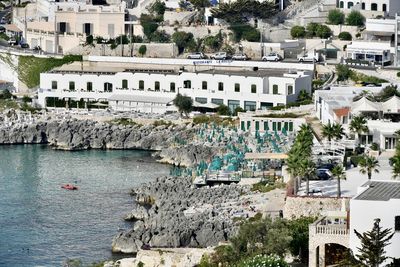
170	212
74	134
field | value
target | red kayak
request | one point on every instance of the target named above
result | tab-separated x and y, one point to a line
69	187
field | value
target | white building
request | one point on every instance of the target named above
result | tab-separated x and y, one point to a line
338	106
59	26
143	88
369	52
377	200
370	8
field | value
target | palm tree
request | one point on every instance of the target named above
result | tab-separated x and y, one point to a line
307	169
368	165
328	131
340	174
338	130
332	131
358	125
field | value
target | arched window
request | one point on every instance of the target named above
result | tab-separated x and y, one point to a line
374	7
384	7
350	5
363	6
341	4
108	87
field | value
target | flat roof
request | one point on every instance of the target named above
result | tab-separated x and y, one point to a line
111	68
380	191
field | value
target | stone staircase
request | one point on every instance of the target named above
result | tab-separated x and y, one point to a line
301	13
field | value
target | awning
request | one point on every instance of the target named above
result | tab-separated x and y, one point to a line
206	105
365	105
12	28
392	105
99	104
140	98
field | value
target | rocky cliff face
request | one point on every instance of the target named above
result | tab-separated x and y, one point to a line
171	213
85	134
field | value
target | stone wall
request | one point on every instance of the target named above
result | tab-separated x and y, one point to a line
199	31
312	206
336	29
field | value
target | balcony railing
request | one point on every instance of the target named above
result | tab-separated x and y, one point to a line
331	229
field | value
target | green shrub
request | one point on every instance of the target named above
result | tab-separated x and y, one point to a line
343	72
374	146
398	74
355	160
345	36
323	31
335	17
298	32
264	187
30	67
223	110
312	29
355	18
245	32
182	40
142	50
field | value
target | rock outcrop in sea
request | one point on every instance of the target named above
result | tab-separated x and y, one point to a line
170	212
73	134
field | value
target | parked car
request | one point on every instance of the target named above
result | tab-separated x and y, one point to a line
196	55
220	56
12	41
323	174
24	45
272	57
308	58
240	56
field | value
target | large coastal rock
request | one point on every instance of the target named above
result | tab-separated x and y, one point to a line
73	134
170	212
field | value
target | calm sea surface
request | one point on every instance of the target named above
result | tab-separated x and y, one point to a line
44	225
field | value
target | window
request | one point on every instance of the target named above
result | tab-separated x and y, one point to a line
290	90
172	87
384	7
266	127
108	87
350	5
110	30
397	223
187	84
124	84
242	126
141	85
62	27
157	86
274	126
54	85
220	86
275	89
257	125
204	85
217	101
233	104
87	28
363	6
341	4
237	87
202	100
279	126
286	125
248	125
89	86
253	89
366	139
290	126
374	7
250	105
72	86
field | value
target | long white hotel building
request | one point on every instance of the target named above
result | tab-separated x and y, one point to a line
152	87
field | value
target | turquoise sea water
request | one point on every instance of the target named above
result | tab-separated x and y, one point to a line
44	225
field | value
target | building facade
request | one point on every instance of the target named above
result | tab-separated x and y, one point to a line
377	200
249	90
370	8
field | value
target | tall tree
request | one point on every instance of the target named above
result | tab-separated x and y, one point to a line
368	165
358	125
373	243
183	103
328	131
307	169
340	174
